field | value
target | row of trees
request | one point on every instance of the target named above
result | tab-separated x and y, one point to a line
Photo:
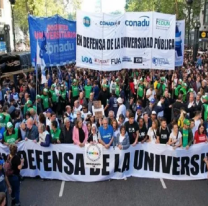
22	8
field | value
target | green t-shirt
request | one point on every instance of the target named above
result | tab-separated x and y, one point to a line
33	107
45	100
75	91
5	121
11	138
88	89
53	96
185	137
177	90
205	111
56	134
117	91
140	90
184	93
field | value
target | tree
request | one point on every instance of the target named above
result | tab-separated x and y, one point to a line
41	8
178	7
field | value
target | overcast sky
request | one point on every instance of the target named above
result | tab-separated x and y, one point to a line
108	6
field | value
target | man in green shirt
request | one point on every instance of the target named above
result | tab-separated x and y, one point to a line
88	89
4	119
55	132
205	107
187	135
117	89
141	89
161	87
11	135
28	106
183	91
62	98
73	92
178	87
53	97
45	99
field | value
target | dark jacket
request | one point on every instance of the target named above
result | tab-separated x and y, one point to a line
66	139
32	133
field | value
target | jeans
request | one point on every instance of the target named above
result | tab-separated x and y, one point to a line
15	184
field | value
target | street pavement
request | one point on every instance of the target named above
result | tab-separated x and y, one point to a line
130	192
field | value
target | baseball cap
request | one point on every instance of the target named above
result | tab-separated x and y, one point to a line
152	100
141	79
38	97
186	122
105	85
74	80
180	80
9	125
29	102
184	85
162	78
49	110
205	97
62	85
119	100
45	90
53	85
154	112
190	90
117	80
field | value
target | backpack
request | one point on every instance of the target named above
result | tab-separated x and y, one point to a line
8	166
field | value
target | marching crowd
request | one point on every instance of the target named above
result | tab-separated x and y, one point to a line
140	106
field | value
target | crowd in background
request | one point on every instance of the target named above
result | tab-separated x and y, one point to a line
140	106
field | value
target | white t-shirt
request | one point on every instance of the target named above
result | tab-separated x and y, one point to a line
152	135
197	123
121	138
174	137
152	95
121	110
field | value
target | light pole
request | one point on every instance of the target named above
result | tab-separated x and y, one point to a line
189	3
197	25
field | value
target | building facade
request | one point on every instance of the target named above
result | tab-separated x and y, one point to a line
6	19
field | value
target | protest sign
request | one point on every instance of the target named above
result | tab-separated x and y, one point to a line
67	162
56	37
144	40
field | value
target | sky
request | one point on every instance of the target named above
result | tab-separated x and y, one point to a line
108	6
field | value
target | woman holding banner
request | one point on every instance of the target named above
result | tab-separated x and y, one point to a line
122	139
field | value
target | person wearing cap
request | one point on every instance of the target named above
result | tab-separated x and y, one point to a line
53	96
141	91
177	88
39	104
160	87
88	89
45	99
205	107
73	92
121	108
132	129
183	91
28	106
187	135
11	135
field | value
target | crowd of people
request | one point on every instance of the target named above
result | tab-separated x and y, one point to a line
140	106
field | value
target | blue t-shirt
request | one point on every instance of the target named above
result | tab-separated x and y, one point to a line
2	129
106	134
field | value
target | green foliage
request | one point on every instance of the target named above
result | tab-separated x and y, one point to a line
167	6
42	8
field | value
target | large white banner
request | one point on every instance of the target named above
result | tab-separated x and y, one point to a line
67	162
179	43
144	40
